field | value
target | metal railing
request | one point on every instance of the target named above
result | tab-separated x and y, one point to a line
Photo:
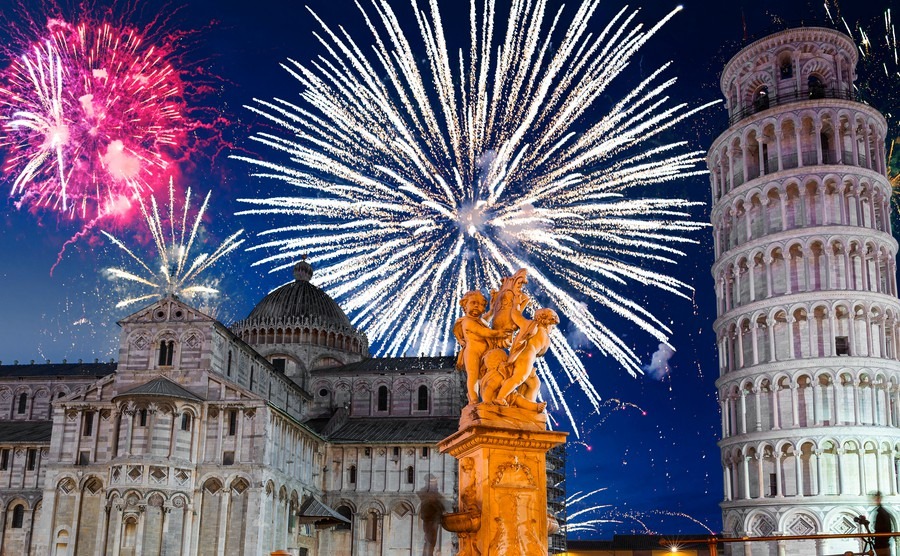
770	101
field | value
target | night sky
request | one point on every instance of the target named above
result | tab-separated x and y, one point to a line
656	460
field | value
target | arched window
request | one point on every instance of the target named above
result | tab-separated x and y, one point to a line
18	517
166	352
816	87
23	403
787	68
185	421
410	475
382	398
352	474
422	404
761	99
347	514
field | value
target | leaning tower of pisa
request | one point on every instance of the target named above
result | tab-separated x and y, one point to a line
807	326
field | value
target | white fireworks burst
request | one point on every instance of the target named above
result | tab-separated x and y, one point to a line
179	269
417	179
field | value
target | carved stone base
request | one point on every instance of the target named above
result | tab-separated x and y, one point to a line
490	415
502	488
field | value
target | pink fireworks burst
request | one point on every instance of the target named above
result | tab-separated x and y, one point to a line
93	116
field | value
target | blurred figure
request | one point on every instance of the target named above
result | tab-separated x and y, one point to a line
882	525
430	513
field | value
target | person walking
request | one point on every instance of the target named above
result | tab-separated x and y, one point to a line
882	525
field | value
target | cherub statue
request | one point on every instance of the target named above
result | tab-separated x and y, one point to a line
530	343
508	302
496	369
474	335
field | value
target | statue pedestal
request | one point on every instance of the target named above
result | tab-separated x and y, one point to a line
502	489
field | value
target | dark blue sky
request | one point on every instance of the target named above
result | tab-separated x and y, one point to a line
664	462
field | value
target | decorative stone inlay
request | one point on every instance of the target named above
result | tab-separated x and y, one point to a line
158	474
93	485
763	526
135	472
66	486
182	476
802	525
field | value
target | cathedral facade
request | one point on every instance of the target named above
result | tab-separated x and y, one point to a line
808	330
278	433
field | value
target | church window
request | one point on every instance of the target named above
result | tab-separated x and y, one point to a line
84	457
396	451
228	366
410	475
280	364
88	427
352	475
382	398
23	403
423	398
166	352
347	514
252	371
367	451
323	392
142	417
232	422
18	517
31	459
4	459
61	394
185	421
425	452
228	458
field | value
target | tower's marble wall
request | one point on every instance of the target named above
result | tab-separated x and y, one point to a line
807	331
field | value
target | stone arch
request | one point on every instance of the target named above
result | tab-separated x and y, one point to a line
799	522
761	523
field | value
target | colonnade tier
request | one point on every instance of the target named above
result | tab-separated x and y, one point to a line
799	264
795	63
800	402
795	203
809	327
809	134
839	466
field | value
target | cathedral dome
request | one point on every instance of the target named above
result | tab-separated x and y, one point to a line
300	322
300	299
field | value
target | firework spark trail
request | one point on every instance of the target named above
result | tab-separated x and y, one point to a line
92	116
589	517
414	180
178	268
